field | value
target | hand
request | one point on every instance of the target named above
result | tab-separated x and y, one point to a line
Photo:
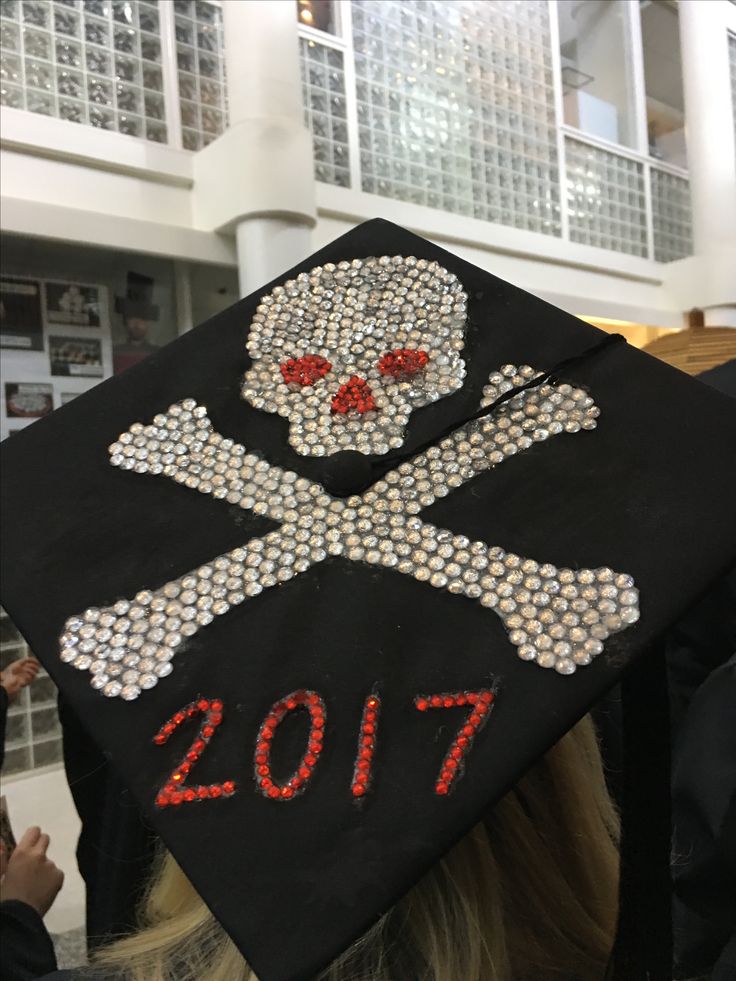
18	674
30	876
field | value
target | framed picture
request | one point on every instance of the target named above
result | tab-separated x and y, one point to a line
68	397
20	314
27	400
72	304
79	357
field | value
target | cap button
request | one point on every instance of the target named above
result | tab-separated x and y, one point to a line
346	473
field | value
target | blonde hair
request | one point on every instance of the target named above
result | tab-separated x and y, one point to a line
528	895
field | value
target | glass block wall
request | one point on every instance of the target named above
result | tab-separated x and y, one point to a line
671	216
605	199
96	62
325	110
200	56
33	733
455	107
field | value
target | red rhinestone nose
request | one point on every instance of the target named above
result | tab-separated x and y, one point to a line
354	396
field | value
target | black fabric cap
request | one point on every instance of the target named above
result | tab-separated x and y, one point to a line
649	492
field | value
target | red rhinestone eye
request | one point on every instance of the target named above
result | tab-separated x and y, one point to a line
403	362
304	371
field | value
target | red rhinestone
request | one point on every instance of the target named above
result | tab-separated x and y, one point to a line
216	705
369	728
305	370
162	800
462	699
365	754
463	741
189	795
310	759
475	719
487	697
402	362
160	739
203	793
176	798
451	764
372	702
177	777
305	772
263	771
355	396
274	792
215	790
287	792
318	721
363	765
203	704
358	790
214	718
208	732
441	788
228	787
436	701
422	704
468	731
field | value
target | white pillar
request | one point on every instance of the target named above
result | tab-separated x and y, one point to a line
711	152
264	86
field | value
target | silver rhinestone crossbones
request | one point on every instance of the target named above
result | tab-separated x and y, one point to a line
556	617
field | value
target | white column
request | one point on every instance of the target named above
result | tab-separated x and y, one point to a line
264	88
711	152
183	296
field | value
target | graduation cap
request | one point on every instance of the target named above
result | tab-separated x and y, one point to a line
326	575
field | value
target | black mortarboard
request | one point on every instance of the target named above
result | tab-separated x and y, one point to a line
138	299
303	670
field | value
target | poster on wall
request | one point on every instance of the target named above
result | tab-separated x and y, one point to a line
75	356
20	314
72	304
27	400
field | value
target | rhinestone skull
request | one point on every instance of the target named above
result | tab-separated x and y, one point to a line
347	351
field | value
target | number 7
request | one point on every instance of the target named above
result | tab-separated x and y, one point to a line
479	703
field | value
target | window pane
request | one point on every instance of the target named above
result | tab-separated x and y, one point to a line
660	34
596	69
318	14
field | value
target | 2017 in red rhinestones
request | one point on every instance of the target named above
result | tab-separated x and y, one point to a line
177	790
